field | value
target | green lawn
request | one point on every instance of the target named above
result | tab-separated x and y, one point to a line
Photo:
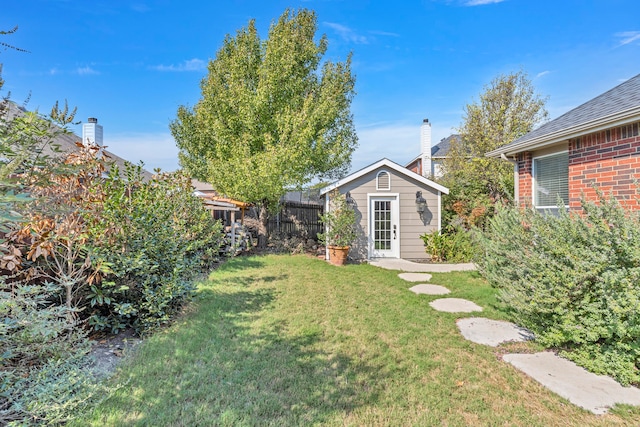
291	340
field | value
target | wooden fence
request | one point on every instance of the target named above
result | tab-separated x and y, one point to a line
297	219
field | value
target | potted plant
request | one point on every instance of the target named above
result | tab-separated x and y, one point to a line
340	228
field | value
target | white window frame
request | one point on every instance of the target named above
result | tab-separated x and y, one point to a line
378	188
395	215
534	179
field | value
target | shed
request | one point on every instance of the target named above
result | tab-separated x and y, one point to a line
384	195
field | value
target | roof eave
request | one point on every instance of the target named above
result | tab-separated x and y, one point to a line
387	163
618	119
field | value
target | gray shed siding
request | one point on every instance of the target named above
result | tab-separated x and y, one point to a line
411	225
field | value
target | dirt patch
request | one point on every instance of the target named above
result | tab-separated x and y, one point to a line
109	350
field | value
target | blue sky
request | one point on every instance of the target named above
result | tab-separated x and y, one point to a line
132	63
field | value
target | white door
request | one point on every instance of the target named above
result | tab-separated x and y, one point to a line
384	229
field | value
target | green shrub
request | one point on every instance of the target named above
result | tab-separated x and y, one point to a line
452	245
155	237
574	280
43	360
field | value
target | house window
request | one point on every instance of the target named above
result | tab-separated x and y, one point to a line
383	181
551	180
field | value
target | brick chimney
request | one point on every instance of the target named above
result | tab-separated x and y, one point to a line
92	132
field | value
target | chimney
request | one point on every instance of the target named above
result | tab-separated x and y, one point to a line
92	132
425	147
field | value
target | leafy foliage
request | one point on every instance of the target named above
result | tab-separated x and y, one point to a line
42	358
573	279
453	244
69	241
508	108
154	237
340	222
272	115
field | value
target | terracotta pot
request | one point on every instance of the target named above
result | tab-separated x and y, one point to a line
338	254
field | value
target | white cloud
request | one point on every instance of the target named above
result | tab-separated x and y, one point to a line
384	33
347	33
156	150
481	2
194	64
543	73
86	71
628	37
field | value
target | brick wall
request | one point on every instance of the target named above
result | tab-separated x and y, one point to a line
610	159
525	179
416	166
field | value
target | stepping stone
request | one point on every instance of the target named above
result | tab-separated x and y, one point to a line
415	277
455	305
492	332
429	289
595	393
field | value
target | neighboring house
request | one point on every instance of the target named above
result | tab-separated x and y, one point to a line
222	208
595	144
92	133
429	162
385	197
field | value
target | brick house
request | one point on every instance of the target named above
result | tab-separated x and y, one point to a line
595	144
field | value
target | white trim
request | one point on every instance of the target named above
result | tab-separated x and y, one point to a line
378	180
613	120
326	210
439	211
395	214
534	183
389	165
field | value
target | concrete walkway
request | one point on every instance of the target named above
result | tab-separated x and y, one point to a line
418	267
595	393
592	392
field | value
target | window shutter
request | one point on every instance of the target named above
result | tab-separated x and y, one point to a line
551	179
383	181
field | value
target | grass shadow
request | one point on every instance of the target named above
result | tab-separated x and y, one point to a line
227	367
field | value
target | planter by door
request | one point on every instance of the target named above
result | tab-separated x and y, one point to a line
338	254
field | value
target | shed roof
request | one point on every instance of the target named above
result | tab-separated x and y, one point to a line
615	107
387	164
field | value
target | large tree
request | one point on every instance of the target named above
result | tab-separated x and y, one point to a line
508	108
272	115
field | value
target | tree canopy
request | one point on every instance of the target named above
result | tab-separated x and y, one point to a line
272	115
508	108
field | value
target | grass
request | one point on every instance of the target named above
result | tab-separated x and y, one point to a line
291	340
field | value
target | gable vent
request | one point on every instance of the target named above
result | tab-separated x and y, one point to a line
383	181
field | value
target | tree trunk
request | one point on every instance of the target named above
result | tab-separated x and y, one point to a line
263	217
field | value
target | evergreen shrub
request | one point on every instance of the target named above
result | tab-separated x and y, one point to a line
155	237
573	279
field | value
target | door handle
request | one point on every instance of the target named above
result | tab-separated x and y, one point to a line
394	232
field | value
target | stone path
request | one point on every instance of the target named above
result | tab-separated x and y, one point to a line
415	277
455	305
492	332
419	267
595	393
592	392
428	289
